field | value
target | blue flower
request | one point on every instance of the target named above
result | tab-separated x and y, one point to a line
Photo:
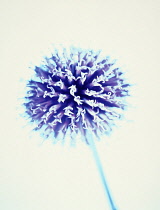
74	91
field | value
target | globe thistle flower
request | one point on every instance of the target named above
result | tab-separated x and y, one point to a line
75	91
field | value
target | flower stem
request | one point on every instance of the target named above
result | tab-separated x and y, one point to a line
101	172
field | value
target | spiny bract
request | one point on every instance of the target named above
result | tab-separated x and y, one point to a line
73	91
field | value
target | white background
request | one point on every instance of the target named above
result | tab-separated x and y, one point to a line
37	176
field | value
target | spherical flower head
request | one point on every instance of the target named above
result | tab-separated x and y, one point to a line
75	91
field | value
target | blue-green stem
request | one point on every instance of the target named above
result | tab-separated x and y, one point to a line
101	172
